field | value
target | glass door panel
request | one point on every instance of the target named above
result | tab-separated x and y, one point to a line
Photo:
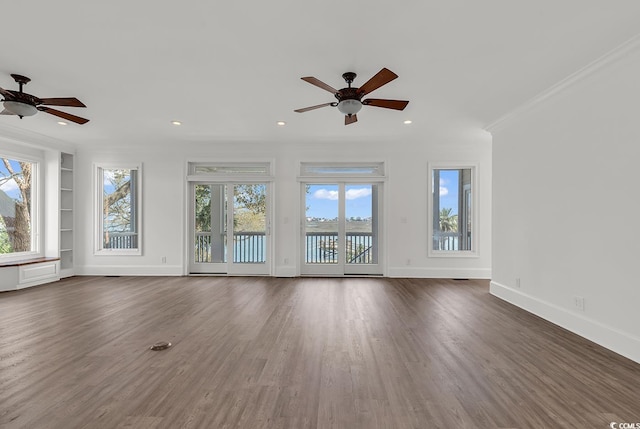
209	231
341	229
229	239
362	228
249	223
321	229
361	224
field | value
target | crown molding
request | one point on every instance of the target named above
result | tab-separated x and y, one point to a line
605	60
27	138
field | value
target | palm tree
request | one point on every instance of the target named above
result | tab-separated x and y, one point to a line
448	223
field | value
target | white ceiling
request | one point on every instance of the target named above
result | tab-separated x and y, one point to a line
231	70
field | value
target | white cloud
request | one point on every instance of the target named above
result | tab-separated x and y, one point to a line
352	194
443	191
9	186
324	194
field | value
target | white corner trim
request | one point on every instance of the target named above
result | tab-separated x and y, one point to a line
611	338
609	58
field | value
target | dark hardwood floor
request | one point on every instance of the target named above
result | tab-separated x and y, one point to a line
297	353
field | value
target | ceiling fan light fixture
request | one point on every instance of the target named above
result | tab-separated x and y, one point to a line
349	107
20	109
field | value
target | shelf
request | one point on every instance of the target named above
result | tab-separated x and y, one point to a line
66	215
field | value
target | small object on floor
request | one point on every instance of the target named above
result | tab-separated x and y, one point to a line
161	345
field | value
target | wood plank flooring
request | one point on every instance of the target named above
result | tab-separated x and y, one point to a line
297	353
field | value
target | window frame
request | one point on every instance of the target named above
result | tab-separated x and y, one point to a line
37	207
475	237
98	177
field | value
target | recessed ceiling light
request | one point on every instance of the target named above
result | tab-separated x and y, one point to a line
176	123
407	122
281	123
62	123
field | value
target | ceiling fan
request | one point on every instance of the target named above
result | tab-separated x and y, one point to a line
22	104
350	99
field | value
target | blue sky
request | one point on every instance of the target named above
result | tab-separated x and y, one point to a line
322	201
10	187
449	190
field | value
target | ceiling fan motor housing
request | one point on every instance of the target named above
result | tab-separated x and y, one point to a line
349	98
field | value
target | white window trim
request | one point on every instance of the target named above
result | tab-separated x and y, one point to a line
37	207
306	176
97	205
473	253
230	177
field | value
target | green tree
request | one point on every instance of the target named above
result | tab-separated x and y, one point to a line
448	221
17	220
117	200
251	197
250	203
203	208
5	244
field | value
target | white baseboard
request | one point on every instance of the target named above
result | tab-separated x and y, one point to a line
129	270
613	339
440	273
286	271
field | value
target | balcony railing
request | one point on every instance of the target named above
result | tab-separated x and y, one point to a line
451	240
320	248
120	240
323	248
248	247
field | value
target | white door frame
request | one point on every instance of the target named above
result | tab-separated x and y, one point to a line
341	267
229	267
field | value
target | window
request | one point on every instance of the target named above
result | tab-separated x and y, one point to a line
453	211
339	169
18	208
118	216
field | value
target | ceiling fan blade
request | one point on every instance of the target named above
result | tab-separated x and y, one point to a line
6	112
306	109
65	101
350	119
7	94
383	77
63	115
319	84
387	104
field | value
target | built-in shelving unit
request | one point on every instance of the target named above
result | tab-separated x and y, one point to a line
66	214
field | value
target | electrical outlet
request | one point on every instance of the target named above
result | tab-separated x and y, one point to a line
518	282
408	261
578	303
286	261
164	259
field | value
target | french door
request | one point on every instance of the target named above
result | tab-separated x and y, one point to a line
229	228
341	229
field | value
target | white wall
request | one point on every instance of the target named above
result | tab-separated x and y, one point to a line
566	212
164	201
